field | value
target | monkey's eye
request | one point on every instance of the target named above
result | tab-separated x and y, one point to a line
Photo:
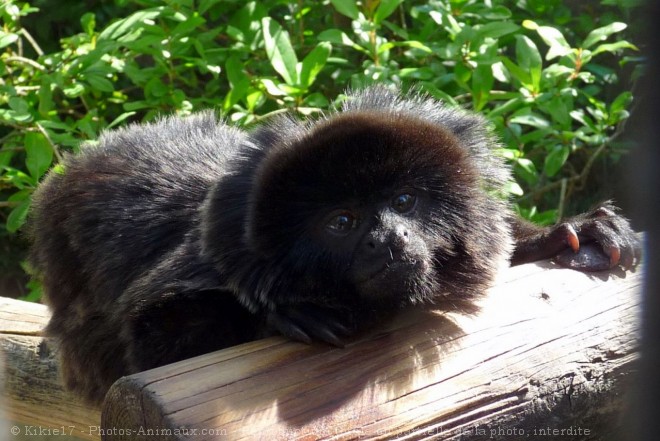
341	223
404	203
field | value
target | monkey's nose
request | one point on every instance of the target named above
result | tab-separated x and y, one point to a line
400	236
388	246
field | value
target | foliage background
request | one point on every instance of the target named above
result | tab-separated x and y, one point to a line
555	78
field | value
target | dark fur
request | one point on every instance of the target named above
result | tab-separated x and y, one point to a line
184	236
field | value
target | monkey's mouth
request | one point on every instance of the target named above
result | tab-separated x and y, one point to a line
394	273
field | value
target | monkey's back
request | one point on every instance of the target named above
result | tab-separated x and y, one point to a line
122	203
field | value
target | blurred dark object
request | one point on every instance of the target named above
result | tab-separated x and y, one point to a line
645	195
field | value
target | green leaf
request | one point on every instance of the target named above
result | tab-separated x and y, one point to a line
536	137
254	99
520	74
316	100
100	83
617	111
556	160
529	118
205	5
554	38
5	158
45	95
74	90
271	87
120	118
35	291
137	105
188	25
416	73
583	119
557	71
238	81
20	109
438	94
496	13
17	216
414	44
18	105
559	110
621	102
347	7
17	178
547	217
396	30
529	59
526	170
279	50
462	75
88	22
530	24
482	84
385	9
508	107
130	24
313	63
508	153
234	70
447	21
497	29
59	168
39	154
335	36
512	187
613	47
601	34
247	22
6	39
155	88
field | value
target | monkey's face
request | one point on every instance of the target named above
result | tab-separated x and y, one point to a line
367	205
385	250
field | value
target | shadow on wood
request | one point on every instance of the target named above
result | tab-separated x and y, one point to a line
548	354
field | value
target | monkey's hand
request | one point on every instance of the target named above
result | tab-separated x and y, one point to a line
306	322
595	241
599	240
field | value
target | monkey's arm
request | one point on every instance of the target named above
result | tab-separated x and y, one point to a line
180	309
598	240
178	325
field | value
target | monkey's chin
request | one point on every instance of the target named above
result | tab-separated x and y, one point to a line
394	280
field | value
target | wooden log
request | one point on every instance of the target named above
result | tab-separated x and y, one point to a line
547	356
33	397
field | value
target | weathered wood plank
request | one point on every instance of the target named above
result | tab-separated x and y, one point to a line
33	394
550	350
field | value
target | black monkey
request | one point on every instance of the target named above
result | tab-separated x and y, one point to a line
168	240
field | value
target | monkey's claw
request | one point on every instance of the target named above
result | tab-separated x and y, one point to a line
599	240
307	322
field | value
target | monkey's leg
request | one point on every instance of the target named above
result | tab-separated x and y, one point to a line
598	240
91	354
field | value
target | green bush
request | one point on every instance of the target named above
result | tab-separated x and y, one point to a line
554	79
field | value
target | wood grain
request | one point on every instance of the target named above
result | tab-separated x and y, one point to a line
32	392
549	351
